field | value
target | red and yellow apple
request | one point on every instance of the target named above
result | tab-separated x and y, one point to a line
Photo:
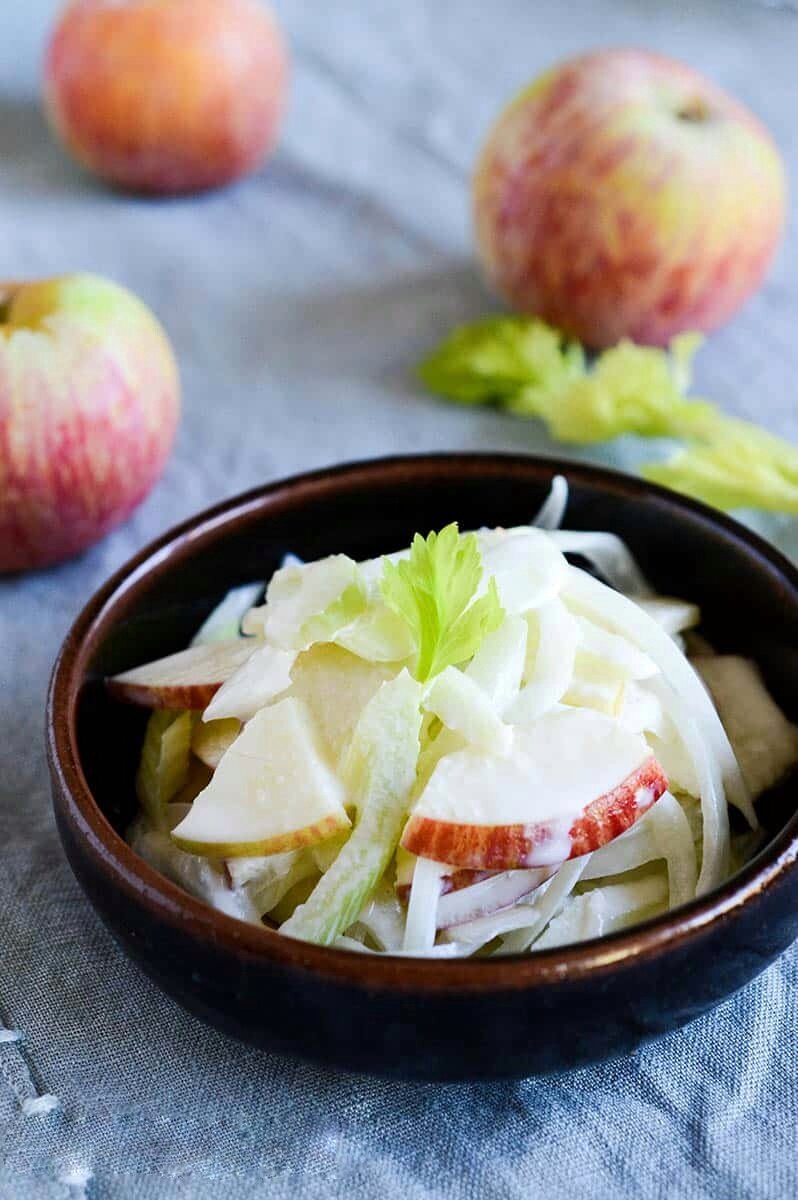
624	195
89	403
166	96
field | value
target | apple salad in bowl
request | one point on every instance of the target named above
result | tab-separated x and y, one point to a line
487	743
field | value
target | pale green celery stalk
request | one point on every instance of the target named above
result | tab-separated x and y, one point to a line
164	763
528	368
380	770
633	389
738	466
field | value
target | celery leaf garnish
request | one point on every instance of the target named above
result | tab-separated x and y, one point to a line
435	592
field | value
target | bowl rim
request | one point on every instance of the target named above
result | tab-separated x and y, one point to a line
167	902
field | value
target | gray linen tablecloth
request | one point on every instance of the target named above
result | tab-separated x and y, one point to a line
297	303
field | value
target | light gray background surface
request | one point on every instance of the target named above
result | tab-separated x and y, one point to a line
297	302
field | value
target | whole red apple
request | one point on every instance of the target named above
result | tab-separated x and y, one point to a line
89	402
624	195
166	96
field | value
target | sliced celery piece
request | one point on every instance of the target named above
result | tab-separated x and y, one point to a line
381	769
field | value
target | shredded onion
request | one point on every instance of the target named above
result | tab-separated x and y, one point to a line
552	511
673	835
489	896
610	555
557	891
628	618
604	910
423	906
714	812
552	664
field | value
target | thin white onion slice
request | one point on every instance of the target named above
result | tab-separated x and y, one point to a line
489	896
610	555
632	849
557	891
465	708
552	665
672	833
714	812
604	910
584	592
552	511
425	890
498	665
526	919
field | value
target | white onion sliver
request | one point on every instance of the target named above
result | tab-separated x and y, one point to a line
632	849
422	909
553	664
442	950
488	896
610	555
547	906
498	664
527	566
714	812
465	708
524	921
603	910
448	950
552	510
634	623
622	654
671	830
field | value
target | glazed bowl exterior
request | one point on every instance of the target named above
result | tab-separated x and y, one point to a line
455	1019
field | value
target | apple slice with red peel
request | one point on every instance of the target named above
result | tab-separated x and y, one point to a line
188	679
574	780
272	791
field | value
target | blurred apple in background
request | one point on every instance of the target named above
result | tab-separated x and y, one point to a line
166	96
89	403
623	194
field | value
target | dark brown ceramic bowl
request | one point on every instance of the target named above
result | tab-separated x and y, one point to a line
416	1018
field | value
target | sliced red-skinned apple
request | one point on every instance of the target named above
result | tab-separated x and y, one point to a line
574	780
188	679
272	791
